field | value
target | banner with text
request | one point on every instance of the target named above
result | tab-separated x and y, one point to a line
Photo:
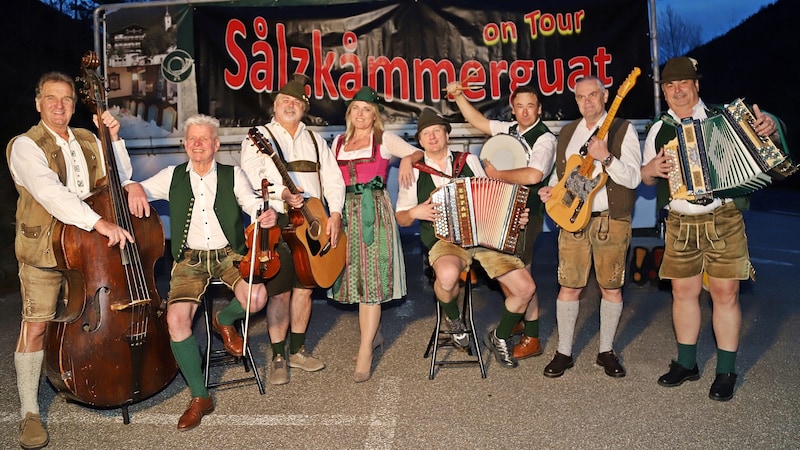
409	50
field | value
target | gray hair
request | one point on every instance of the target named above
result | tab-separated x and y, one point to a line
595	79
202	119
54	77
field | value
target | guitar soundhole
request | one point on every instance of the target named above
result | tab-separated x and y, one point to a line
314	229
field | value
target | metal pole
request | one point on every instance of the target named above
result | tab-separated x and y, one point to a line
654	59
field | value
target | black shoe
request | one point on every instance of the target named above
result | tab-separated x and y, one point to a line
501	348
722	387
678	374
610	362
558	365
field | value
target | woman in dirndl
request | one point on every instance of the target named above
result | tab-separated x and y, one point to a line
375	269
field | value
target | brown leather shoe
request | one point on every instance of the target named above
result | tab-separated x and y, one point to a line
527	347
518	329
198	408
233	343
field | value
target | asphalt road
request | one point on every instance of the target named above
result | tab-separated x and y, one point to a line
520	408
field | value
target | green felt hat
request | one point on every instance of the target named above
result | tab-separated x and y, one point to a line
681	68
367	94
295	88
430	117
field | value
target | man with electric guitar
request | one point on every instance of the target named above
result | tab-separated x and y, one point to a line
534	140
604	240
303	170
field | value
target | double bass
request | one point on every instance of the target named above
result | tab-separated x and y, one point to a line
110	347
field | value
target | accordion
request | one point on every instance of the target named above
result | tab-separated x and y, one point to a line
722	156
481	212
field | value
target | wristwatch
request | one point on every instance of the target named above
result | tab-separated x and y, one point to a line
607	162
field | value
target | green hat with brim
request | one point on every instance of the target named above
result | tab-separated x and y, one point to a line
367	94
430	117
295	88
681	68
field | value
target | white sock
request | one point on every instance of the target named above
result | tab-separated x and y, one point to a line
610	313
567	316
29	370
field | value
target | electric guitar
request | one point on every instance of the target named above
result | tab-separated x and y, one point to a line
316	262
571	198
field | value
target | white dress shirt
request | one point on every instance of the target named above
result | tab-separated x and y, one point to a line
205	231
407	198
29	168
298	147
625	171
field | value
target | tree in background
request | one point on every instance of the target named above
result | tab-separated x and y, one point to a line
82	10
676	36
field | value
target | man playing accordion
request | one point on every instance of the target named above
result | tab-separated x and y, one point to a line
699	238
449	260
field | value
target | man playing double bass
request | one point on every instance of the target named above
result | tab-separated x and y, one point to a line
54	168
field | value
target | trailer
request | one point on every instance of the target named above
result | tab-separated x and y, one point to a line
164	61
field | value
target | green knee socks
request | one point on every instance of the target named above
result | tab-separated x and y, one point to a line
187	355
231	313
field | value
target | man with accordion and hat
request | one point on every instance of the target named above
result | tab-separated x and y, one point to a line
449	260
701	237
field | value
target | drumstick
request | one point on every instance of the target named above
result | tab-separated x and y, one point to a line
464	83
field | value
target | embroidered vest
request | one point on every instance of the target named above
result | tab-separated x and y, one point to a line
362	170
226	208
425	186
534	203
620	198
33	242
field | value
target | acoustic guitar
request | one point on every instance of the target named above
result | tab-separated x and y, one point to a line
317	262
576	190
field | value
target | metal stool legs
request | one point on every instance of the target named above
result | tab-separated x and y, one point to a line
434	343
220	357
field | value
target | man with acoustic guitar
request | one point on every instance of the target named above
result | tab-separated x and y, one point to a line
54	167
540	147
306	171
604	241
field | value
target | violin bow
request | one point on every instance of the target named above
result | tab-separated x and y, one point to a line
250	287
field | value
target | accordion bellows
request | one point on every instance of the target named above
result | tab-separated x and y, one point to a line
722	156
481	212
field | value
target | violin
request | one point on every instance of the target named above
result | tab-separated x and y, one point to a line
262	257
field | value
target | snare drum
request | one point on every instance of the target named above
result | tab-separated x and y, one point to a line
505	152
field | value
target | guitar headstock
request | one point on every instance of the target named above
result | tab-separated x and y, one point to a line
629	82
90	85
263	144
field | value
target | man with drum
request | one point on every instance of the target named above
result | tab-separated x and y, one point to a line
537	144
449	260
716	243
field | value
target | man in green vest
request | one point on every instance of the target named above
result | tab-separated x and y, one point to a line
206	200
539	145
54	168
604	241
716	244
448	260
